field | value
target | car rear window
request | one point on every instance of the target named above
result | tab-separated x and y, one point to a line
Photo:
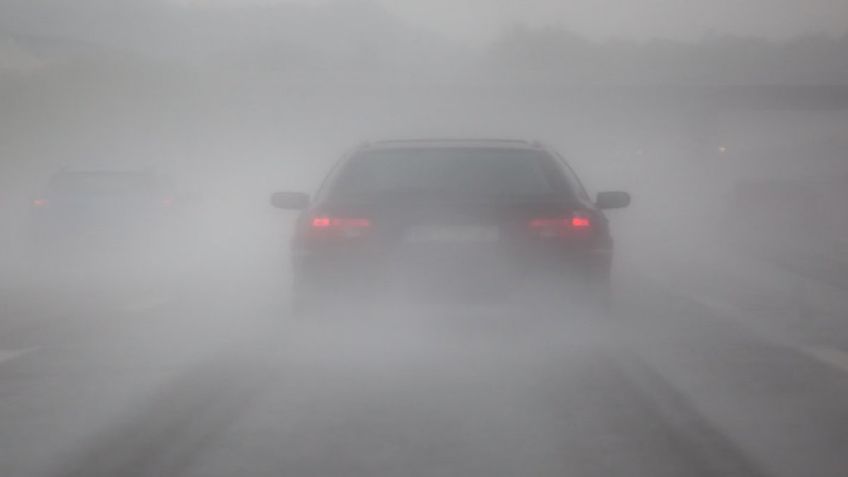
446	172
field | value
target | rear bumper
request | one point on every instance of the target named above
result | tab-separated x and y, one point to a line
437	277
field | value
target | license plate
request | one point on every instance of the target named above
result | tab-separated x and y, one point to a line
453	234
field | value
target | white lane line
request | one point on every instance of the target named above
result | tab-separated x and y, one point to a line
7	355
831	356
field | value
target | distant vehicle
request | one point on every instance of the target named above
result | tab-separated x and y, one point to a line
469	219
91	209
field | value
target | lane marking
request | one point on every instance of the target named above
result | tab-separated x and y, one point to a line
830	356
7	355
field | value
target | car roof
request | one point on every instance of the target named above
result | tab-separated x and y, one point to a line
451	143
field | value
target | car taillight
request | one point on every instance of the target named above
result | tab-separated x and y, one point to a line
579	222
576	224
40	203
343	227
168	201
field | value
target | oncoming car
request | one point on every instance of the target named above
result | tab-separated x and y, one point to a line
481	220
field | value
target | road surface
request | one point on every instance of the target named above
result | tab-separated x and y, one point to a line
216	379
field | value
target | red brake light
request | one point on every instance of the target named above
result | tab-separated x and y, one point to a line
40	203
580	222
321	222
343	227
561	226
339	223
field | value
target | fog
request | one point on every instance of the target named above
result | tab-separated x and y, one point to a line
166	341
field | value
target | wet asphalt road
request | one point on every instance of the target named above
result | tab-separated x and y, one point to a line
218	380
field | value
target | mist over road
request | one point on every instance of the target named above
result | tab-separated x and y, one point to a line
214	377
145	323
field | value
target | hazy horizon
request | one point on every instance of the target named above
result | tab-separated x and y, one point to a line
478	22
481	21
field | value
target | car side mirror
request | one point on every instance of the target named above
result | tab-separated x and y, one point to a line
612	200
290	200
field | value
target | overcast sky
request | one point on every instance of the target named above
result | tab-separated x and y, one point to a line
480	20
